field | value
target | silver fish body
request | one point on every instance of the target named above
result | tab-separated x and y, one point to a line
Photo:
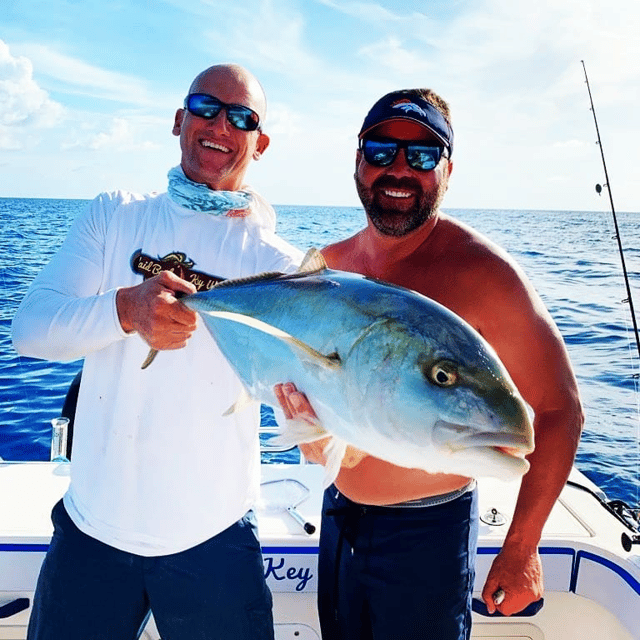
386	369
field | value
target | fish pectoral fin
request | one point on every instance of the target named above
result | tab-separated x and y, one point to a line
305	351
334	451
312	262
310	429
299	431
243	400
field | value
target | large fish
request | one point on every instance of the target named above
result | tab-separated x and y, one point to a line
386	369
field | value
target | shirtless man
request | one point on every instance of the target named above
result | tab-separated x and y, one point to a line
397	548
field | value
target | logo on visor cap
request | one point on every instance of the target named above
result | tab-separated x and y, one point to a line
403	105
407	105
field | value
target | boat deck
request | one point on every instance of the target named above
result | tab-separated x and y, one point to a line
592	584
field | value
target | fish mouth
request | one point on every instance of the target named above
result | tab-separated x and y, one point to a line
456	437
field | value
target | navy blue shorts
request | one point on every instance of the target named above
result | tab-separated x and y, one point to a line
388	573
88	590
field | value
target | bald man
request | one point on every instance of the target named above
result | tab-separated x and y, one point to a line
158	512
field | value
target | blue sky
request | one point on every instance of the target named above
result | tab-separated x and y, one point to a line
88	91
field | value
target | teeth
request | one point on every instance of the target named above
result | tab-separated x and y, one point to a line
213	145
397	194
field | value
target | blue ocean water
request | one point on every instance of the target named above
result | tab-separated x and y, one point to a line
571	257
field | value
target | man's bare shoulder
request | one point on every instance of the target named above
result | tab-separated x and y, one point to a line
455	235
469	252
343	254
447	262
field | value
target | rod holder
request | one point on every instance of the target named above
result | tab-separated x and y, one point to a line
59	431
628	541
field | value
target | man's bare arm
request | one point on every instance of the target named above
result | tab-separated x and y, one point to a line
530	346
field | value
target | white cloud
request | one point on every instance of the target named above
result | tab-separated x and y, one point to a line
24	106
26	110
78	77
123	133
267	34
282	121
374	12
510	69
391	54
9	141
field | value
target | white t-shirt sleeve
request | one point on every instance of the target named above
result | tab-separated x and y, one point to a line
65	314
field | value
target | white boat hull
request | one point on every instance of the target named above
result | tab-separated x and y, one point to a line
592	586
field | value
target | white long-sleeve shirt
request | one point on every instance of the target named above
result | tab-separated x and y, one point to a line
156	467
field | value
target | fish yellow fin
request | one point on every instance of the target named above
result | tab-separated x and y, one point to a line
307	352
244	400
295	432
313	261
334	451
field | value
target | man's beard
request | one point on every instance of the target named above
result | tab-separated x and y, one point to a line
395	221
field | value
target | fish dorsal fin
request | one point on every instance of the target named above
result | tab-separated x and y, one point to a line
312	262
267	275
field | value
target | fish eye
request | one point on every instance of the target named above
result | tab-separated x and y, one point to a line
443	374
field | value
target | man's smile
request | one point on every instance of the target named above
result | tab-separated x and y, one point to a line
397	194
214	145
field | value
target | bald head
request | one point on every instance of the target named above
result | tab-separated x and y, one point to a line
233	75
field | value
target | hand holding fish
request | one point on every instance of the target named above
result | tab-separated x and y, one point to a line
296	406
153	311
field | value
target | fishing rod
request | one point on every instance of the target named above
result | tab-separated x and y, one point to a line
615	219
623	512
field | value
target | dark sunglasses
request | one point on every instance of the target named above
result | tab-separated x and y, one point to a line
383	152
206	106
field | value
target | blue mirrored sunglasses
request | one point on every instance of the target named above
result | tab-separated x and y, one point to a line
382	152
206	106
